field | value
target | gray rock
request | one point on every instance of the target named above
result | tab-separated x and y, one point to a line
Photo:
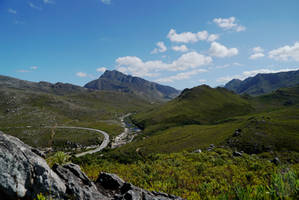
110	181
78	185
121	190
23	174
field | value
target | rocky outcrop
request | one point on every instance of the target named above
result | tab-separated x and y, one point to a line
78	185
24	174
117	189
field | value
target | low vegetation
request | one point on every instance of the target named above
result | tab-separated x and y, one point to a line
215	174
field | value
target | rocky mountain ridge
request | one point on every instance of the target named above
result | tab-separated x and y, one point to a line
117	81
264	83
42	86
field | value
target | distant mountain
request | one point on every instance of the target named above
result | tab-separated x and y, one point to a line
117	81
264	83
57	88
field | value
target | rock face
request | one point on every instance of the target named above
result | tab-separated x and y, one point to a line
23	175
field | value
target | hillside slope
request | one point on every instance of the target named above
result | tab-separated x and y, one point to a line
264	83
199	105
26	106
200	117
117	81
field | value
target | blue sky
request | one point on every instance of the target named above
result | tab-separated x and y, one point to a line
182	43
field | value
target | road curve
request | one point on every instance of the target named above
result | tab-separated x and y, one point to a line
101	147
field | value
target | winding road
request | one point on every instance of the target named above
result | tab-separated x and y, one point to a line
101	147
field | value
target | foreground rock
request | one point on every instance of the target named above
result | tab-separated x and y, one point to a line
24	174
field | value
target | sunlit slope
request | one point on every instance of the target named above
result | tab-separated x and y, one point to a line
199	105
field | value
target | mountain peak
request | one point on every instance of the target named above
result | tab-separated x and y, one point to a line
112	73
114	80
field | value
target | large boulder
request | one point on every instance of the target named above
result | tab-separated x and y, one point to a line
79	187
23	174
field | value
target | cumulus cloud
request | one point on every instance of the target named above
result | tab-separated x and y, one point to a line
135	66
229	24
251	73
286	53
106	1
189	37
258	52
12	11
256	56
180	76
213	37
160	48
182	48
101	69
221	51
81	74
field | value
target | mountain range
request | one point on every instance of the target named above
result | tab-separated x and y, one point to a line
117	81
264	83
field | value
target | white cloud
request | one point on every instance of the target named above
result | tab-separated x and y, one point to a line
286	53
12	11
189	37
251	73
160	48
135	66
106	1
202	80
81	74
213	37
257	49
34	6
256	56
34	67
258	52
101	69
221	51
48	2
180	76
229	24
182	48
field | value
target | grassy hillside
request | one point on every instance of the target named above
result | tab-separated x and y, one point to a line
199	105
24	111
268	122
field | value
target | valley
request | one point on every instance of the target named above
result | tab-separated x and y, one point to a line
177	146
